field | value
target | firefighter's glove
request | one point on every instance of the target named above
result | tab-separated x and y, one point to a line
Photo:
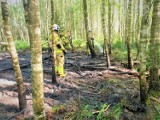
59	46
64	52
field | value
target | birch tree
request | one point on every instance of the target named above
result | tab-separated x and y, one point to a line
143	48
36	61
129	35
154	47
53	44
103	15
14	55
93	54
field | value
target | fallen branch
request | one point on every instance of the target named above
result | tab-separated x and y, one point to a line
91	67
118	70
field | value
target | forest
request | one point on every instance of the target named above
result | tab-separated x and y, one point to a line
79	59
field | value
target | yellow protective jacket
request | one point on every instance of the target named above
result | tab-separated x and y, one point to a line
58	46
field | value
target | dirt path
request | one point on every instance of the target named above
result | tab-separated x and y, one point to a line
88	82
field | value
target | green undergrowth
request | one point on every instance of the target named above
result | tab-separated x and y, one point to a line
79	44
105	112
119	49
24	45
157	113
21	45
153	104
89	112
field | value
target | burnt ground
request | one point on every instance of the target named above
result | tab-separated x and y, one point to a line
88	83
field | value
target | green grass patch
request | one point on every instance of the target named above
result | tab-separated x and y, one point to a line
79	44
157	114
21	45
119	50
24	45
82	112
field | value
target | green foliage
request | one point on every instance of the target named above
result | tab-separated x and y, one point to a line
115	112
101	115
44	44
83	113
24	45
57	109
157	114
119	50
79	43
152	105
154	93
21	45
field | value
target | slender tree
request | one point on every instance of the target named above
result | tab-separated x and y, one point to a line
129	34
138	26
36	60
26	6
93	54
52	12
53	44
47	21
14	55
109	26
143	44
103	14
154	47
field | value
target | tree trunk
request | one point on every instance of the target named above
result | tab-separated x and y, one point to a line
53	44
93	54
154	47
36	61
125	33
138	26
47	22
129	35
120	18
109	26
26	5
14	55
104	32
143	44
91	15
52	12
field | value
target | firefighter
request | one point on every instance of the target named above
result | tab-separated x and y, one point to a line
59	50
